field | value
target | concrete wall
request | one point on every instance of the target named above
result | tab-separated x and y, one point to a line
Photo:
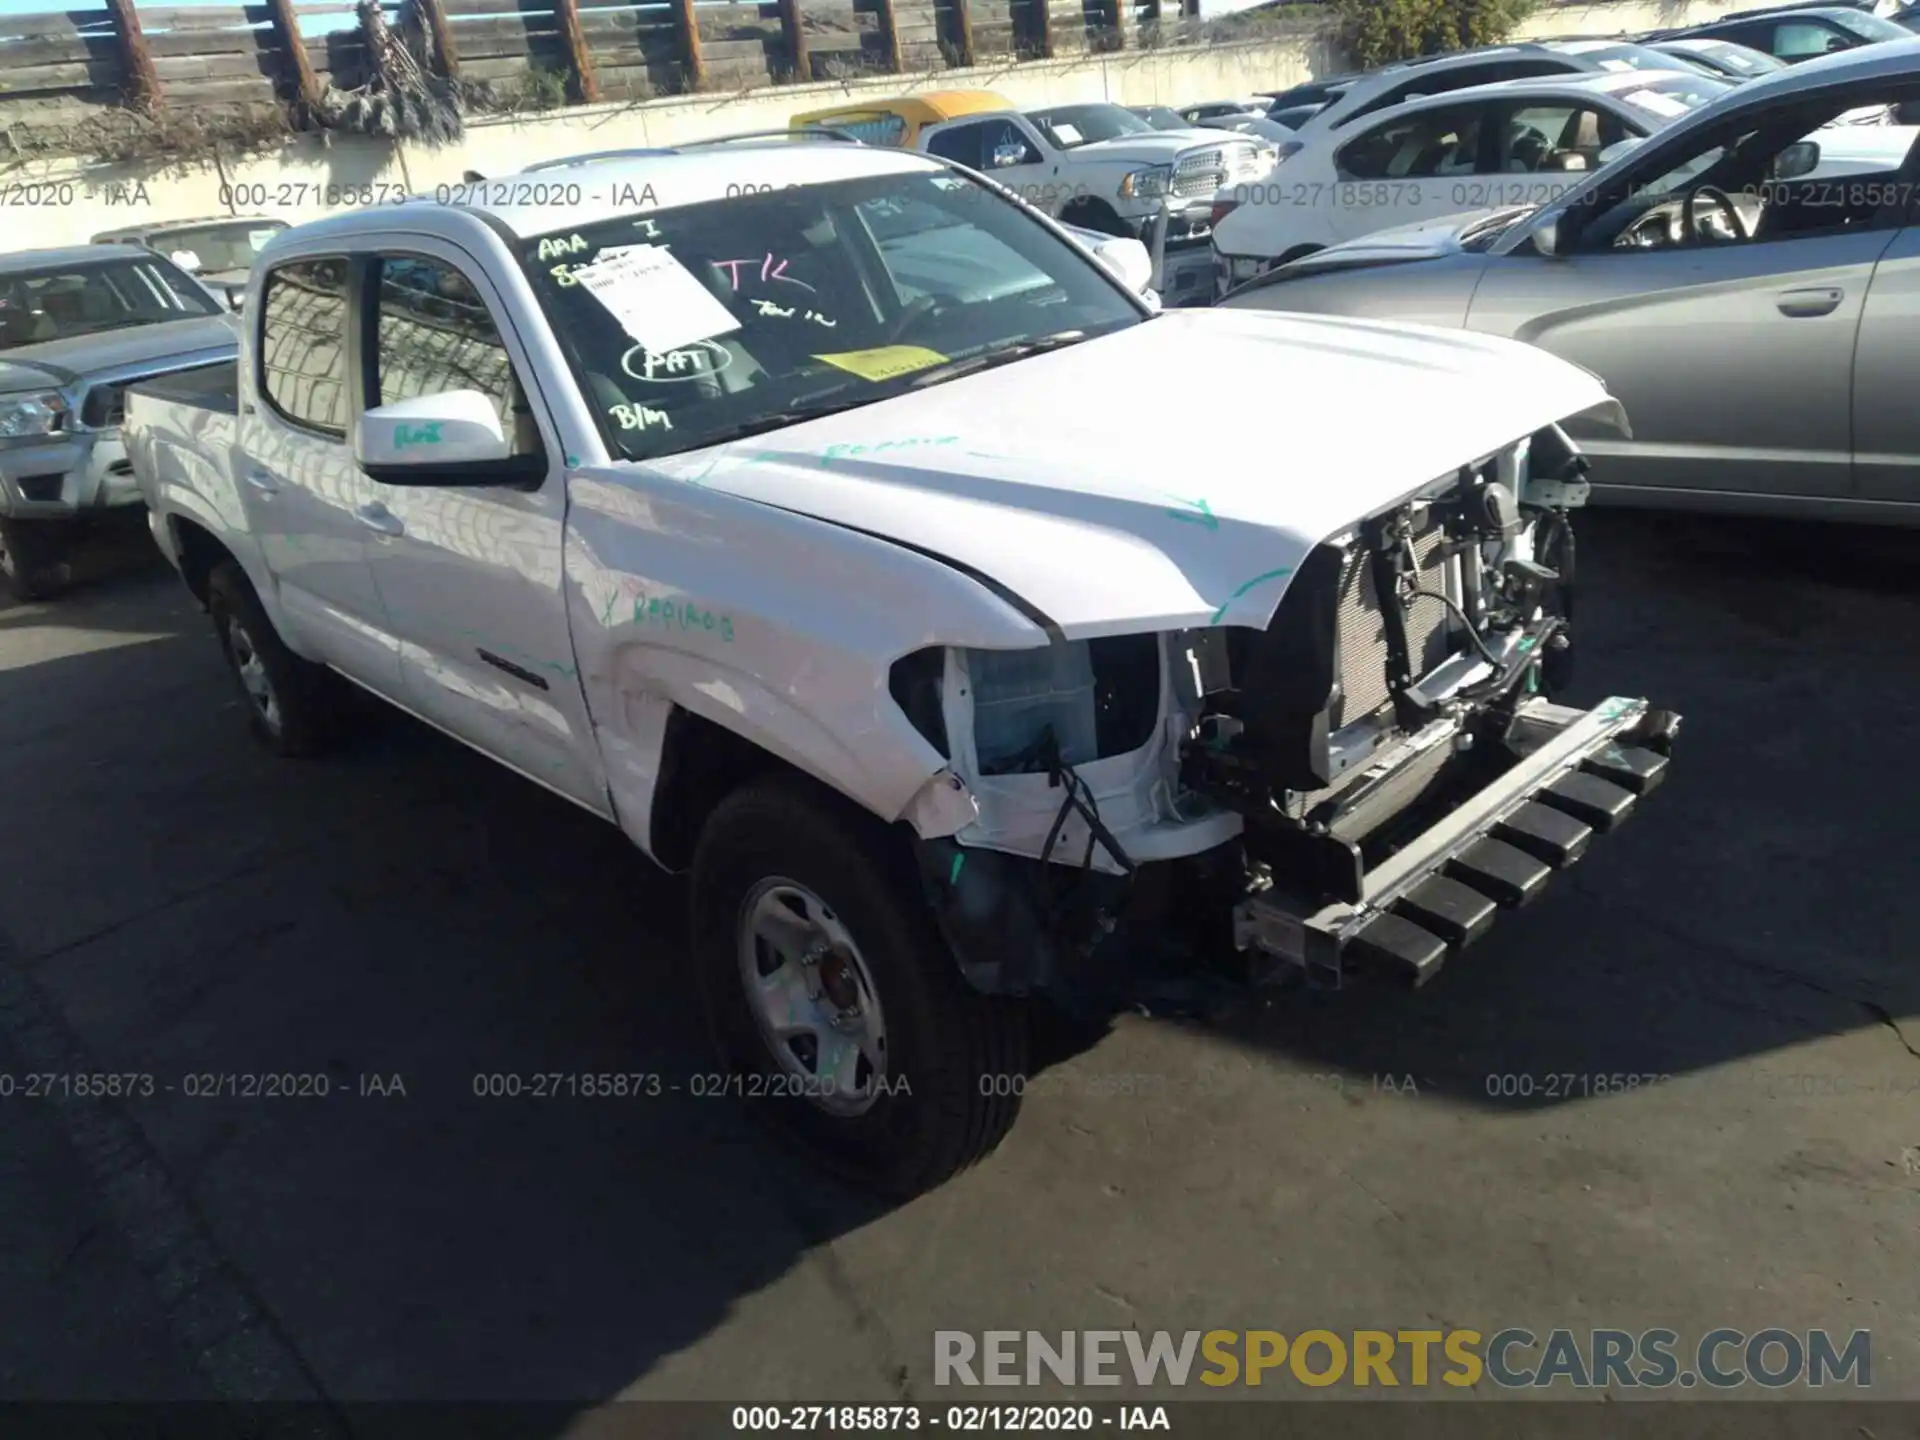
65	201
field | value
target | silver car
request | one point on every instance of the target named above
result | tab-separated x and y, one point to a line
1746	282
76	327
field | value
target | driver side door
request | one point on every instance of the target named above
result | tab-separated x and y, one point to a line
1734	360
1002	148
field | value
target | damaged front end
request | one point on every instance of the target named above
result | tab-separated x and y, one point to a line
1358	787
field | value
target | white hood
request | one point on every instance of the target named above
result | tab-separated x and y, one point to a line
1162	147
1267	434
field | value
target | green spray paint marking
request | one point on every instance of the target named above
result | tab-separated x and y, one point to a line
406	435
1258	579
688	615
1197	511
606	612
959	860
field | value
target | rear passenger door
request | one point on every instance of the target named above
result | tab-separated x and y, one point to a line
1398	170
472	576
308	504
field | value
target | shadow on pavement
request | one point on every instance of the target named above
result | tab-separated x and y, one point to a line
397	924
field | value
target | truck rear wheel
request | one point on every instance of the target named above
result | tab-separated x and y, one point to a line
836	1008
30	564
293	705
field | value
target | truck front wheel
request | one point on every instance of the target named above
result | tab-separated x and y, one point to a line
30	563
293	704
836	1008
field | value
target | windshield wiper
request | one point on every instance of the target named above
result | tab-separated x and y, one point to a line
1003	355
778	420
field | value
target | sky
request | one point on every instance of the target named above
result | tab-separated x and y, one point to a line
309	24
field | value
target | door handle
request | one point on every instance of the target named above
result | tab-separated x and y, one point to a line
1805	303
264	482
376	516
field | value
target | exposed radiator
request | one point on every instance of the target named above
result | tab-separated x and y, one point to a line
1364	681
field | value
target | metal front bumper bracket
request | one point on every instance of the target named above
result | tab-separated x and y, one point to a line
1579	773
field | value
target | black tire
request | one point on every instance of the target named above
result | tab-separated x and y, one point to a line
1098	215
956	1060
304	718
30	563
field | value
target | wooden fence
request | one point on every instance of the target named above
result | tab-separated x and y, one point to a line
176	57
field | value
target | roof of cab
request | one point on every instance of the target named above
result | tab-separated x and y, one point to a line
928	105
549	201
97	254
161	227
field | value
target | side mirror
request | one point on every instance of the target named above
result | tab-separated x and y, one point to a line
453	438
1127	261
1009	154
1546	236
1798	159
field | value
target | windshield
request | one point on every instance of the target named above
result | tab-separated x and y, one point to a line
1871	28
809	299
212	248
1626	57
41	305
1161	118
1070	126
1668	97
1741	60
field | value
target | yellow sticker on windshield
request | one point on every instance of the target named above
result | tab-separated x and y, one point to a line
885	361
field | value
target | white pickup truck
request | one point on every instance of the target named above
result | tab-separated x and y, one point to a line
826	568
1101	167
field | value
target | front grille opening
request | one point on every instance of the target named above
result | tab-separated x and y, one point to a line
1099	698
45	488
105	407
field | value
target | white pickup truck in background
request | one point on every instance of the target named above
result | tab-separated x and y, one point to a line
714	492
1101	167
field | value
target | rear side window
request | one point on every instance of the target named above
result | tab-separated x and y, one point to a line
303	344
1433	143
1437	82
436	335
870	128
1803	39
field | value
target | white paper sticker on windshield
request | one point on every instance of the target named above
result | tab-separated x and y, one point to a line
1616	65
185	259
1067	134
257	239
1654	101
654	298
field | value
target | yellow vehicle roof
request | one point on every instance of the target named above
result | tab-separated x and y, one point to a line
927	108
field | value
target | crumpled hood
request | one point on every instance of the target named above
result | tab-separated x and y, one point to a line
86	355
1268	433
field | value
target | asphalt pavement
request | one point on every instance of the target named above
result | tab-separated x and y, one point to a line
384	926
